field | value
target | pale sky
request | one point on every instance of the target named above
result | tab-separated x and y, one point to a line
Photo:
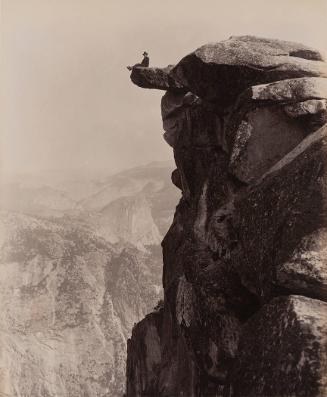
67	100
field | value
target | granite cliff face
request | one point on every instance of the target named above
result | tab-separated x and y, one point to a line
245	263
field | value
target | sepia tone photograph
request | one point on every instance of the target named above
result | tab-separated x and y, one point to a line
163	220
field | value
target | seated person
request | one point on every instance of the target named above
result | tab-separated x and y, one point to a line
143	64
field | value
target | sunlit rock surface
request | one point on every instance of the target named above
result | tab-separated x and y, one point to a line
244	275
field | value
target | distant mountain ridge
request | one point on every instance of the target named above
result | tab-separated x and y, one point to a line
148	185
76	276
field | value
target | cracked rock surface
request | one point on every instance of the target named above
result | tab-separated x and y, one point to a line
245	263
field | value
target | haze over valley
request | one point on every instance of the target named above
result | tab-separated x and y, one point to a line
80	264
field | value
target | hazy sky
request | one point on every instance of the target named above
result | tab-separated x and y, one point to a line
67	98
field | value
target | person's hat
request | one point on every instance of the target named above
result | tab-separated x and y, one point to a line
145	53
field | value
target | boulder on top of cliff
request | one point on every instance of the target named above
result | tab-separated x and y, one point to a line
220	71
289	90
157	78
281	351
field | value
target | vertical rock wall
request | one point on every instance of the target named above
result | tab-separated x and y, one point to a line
245	260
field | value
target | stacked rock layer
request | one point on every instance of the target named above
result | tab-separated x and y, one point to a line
245	260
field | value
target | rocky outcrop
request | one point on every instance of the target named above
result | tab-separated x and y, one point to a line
219	72
158	78
245	257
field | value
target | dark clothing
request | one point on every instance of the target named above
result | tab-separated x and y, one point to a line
145	62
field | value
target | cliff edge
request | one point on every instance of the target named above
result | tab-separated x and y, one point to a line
245	260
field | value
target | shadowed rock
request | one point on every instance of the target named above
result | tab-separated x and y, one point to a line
157	78
269	120
220	71
282	224
154	363
289	336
